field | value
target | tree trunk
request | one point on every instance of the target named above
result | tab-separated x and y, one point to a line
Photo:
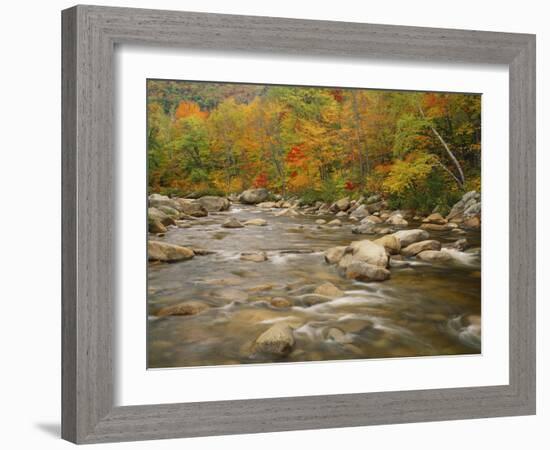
460	178
361	140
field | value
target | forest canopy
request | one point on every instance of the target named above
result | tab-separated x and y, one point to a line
419	149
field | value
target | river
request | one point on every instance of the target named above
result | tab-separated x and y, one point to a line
419	311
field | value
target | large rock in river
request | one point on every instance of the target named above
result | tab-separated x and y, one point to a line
254	196
408	237
328	290
191	207
256	222
469	205
277	340
368	252
390	243
169	211
435	218
364	228
435	227
341	205
189	308
472	223
360	212
156	200
213	204
417	247
156	226
397	220
434	256
362	271
164	252
232	223
267	205
155	214
334	254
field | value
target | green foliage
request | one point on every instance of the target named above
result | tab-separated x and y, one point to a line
330	191
426	193
409	128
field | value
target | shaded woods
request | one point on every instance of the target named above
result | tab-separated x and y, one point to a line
421	150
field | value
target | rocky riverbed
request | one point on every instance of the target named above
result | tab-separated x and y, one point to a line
247	279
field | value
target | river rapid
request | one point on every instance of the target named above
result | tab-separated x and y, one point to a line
419	311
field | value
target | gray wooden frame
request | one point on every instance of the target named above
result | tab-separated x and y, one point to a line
89	37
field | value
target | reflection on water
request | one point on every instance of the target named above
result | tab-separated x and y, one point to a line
422	310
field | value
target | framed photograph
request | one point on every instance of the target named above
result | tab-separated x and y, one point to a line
278	224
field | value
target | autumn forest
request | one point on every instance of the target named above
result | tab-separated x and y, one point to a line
420	149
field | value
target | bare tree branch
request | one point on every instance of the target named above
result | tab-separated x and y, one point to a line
446	169
460	179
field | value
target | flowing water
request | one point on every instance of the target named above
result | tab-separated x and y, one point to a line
419	311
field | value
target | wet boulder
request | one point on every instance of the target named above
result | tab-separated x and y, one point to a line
288	212
472	223
397	220
341	205
364	228
473	210
277	340
328	290
408	237
360	212
232	223
434	256
363	271
164	252
372	199
435	227
155	214
334	254
335	223
469	205
435	218
188	308
376	207
157	200
390	243
156	226
267	205
417	247
254	196
213	203
169	211
372	219
368	252
256	222
191	208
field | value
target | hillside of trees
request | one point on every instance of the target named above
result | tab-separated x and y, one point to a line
419	150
